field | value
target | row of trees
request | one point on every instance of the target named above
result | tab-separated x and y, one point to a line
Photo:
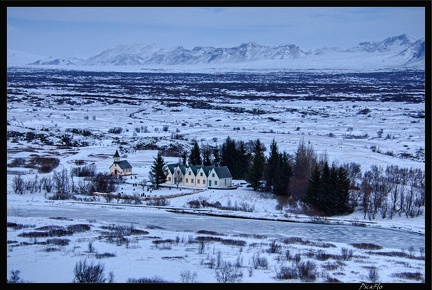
281	173
325	189
62	184
391	191
299	178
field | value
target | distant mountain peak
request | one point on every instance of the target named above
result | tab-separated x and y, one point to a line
395	51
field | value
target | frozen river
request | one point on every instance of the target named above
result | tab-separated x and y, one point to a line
160	218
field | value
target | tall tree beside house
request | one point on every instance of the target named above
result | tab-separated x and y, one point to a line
229	157
216	157
195	155
243	163
235	156
206	152
157	173
255	174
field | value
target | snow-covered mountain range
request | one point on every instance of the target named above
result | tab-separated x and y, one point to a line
393	52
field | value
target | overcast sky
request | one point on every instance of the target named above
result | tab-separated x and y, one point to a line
86	31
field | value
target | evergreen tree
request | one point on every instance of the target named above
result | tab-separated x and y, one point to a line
272	166
157	173
216	156
331	195
343	186
206	155
282	175
243	164
326	187
231	158
313	190
328	191
195	155
337	199
184	157
255	173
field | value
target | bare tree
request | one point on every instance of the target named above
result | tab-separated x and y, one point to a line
305	159
46	184
415	192
396	179
380	190
18	184
228	273
61	184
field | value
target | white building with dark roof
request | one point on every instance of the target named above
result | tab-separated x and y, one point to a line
120	167
198	176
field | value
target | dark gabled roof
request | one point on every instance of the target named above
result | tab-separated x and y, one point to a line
223	172
207	169
183	168
124	164
171	167
195	168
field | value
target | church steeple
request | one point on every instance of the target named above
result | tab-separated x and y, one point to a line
116	157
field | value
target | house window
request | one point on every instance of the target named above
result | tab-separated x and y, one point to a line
215	182
169	178
201	174
189	173
198	181
212	174
204	181
186	180
192	180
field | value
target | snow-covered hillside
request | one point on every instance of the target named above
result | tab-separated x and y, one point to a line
391	53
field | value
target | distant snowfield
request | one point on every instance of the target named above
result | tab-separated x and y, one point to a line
328	64
327	126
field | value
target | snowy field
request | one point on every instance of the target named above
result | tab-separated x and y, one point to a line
366	132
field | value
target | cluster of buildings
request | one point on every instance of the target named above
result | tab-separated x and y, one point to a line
183	175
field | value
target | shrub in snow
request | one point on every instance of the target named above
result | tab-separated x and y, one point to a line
84	273
228	273
373	274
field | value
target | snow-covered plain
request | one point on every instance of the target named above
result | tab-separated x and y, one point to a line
179	256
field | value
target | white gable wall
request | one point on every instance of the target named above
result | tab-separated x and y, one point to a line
201	178
189	178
